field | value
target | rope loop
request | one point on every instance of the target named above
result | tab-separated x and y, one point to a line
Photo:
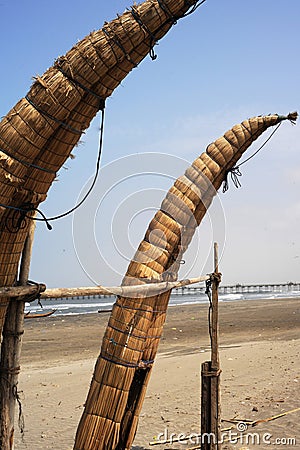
36	295
235	173
21	419
208	284
143	26
18	219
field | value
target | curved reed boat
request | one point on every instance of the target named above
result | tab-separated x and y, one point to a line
130	343
40	131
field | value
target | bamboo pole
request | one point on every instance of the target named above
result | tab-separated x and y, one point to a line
21	291
10	353
124	291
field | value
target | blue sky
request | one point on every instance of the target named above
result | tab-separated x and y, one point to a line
228	61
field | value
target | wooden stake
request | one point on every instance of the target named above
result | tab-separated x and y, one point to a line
10	354
205	405
215	363
215	312
210	373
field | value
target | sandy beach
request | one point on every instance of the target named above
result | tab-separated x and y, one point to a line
260	375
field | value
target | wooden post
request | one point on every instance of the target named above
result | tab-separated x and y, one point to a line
205	405
10	354
210	373
215	363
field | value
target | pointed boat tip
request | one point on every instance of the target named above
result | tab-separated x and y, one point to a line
292	117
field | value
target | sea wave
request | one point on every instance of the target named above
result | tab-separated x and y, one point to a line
78	306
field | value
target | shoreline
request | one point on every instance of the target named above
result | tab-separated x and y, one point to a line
84	306
259	352
75	335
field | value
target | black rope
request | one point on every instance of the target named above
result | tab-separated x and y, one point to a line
18	220
208	284
60	122
36	295
136	336
117	41
194	7
153	40
134	308
235	172
121	344
123	362
60	216
258	150
21	419
170	19
167	11
25	163
174	19
82	86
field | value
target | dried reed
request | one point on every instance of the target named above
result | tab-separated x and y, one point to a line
135	326
40	131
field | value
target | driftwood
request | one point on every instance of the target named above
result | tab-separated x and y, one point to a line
30	290
253	423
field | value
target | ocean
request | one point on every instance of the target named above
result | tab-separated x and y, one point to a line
73	306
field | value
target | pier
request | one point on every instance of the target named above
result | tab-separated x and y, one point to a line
242	289
200	289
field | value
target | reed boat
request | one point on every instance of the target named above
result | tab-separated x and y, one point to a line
38	134
36	138
131	340
30	315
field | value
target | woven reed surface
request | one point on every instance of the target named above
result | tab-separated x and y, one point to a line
42	128
131	340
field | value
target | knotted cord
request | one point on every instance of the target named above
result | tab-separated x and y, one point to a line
17	221
235	172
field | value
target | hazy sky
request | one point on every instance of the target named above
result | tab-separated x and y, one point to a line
229	61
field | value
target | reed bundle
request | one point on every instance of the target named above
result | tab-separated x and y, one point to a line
131	340
40	131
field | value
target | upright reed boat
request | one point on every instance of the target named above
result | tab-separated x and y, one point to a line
130	343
